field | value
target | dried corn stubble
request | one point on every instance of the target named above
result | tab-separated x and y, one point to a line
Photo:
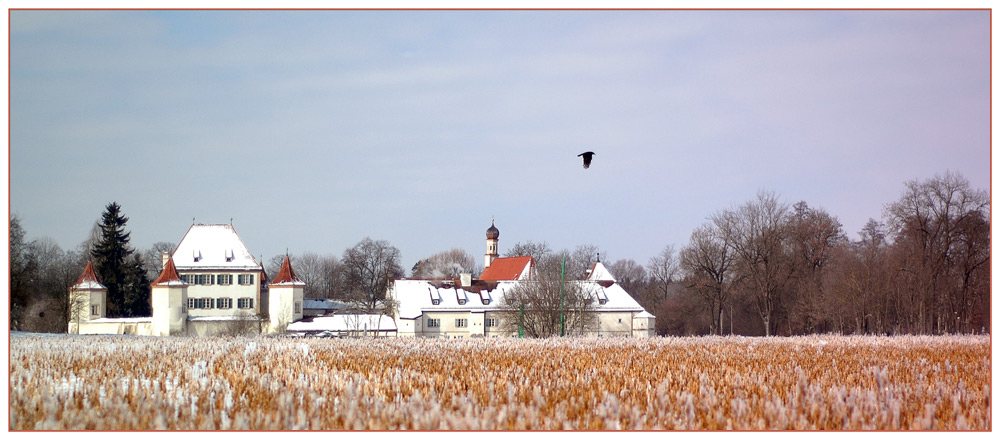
816	382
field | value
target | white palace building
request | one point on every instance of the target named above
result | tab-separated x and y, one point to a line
209	282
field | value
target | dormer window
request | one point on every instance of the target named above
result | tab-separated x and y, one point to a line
197	256
486	301
435	297
461	301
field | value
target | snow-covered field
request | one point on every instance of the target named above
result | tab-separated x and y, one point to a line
816	382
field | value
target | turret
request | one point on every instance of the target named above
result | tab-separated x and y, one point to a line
88	299
285	294
169	302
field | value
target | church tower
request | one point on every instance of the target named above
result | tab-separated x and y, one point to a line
492	238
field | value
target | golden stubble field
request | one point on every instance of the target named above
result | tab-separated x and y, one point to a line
708	383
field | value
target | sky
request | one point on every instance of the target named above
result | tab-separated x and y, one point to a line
311	130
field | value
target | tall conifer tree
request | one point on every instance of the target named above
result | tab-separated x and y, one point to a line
118	269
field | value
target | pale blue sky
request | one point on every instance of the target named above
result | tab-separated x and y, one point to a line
315	129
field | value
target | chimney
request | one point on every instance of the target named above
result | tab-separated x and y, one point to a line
164	256
466	279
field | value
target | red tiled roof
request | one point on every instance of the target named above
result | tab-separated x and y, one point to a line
508	268
169	274
286	274
88	275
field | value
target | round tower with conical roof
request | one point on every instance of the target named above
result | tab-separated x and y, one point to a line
169	297
492	244
88	299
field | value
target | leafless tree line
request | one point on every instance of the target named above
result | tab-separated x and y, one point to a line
764	268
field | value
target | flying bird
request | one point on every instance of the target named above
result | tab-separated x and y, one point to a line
587	156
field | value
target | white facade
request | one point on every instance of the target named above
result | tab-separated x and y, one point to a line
222	275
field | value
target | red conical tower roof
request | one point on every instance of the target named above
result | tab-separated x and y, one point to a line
88	279
286	275
169	275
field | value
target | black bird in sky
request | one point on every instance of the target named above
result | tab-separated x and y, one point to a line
587	156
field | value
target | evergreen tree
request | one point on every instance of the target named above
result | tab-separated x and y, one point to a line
119	268
137	290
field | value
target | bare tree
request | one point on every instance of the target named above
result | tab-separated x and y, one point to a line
545	306
757	232
244	323
153	258
663	269
319	272
708	261
447	264
861	283
934	222
369	267
582	259
23	272
814	234
536	250
630	275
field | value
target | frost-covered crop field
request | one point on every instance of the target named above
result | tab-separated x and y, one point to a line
816	382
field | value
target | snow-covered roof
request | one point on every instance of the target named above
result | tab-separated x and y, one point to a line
324	304
343	323
88	280
417	297
508	268
213	247
644	314
600	273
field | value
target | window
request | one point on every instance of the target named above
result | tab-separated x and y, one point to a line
224	279
95	309
245	303
298	307
491	322
224	303
461	323
200	279
433	322
201	303
486	301
461	301
435	301
245	279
